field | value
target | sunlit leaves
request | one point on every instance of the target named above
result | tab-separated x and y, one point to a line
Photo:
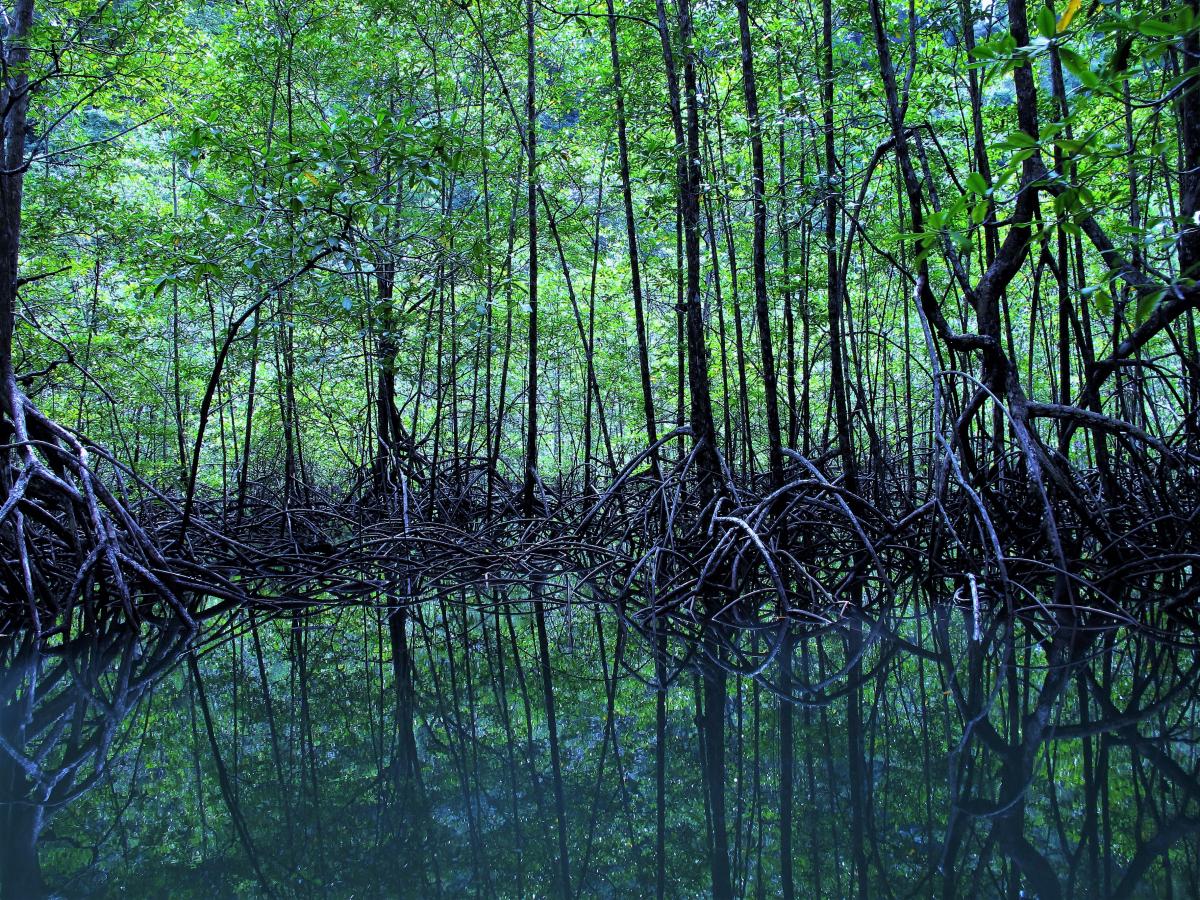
1064	21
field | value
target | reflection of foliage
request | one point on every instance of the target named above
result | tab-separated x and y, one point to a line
977	759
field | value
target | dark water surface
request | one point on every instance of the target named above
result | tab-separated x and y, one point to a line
340	753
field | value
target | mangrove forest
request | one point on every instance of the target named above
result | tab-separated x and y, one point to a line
599	448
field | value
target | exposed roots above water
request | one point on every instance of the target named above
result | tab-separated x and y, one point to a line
809	550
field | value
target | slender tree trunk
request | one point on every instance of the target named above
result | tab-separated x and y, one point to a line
837	375
739	350
716	694
787	768
789	313
758	191
701	420
635	273
529	494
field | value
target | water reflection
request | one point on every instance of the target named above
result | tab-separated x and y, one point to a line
64	723
476	745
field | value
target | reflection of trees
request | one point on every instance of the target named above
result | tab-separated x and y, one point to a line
61	711
1018	754
1024	708
904	755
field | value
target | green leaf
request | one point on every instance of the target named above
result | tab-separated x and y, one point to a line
1099	297
1146	305
1078	67
162	281
1159	28
977	184
1017	140
1046	22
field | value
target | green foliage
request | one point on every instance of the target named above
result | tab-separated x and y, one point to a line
360	166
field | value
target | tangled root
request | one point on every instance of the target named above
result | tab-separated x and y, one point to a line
65	537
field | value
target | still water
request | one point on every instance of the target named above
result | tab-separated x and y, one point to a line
346	753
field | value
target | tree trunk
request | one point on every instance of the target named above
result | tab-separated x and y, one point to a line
758	190
529	491
635	271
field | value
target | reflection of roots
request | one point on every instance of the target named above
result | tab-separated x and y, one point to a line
65	537
60	714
